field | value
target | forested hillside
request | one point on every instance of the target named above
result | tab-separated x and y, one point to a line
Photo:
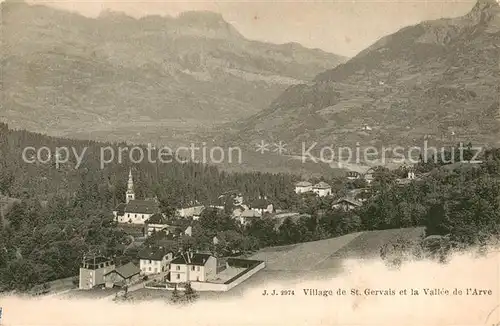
184	182
64	212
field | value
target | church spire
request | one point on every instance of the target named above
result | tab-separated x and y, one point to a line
130	188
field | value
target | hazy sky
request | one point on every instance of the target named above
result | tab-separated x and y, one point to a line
343	27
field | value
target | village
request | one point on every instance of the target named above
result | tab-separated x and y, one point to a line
209	247
159	267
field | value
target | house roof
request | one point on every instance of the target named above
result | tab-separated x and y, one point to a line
198	210
142	207
260	203
174	229
322	185
240	207
126	271
157	219
348	200
96	260
303	184
251	213
197	259
194	210
120	208
154	253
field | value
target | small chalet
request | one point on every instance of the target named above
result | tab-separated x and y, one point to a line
360	195
303	186
193	267
322	189
135	211
353	175
154	260
193	211
262	205
122	276
157	222
249	215
347	204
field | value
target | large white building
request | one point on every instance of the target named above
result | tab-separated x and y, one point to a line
191	267
92	271
134	211
322	189
303	186
154	260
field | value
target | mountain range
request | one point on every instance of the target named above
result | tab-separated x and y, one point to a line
195	77
438	81
66	74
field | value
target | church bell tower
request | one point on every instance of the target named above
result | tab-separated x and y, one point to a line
130	188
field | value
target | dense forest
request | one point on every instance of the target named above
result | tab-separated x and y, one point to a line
183	182
63	212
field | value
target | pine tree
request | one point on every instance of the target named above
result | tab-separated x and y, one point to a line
190	294
175	298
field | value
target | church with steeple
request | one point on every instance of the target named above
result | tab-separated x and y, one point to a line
130	195
134	211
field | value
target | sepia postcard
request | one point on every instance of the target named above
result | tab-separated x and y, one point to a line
250	162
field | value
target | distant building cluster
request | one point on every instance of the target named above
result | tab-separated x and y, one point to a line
355	197
321	189
201	268
147	213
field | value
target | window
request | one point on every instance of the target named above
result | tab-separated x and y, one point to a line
156	270
128	215
150	261
178	276
178	268
192	268
150	269
198	268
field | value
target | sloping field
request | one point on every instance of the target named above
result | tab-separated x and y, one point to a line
329	253
367	245
303	256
